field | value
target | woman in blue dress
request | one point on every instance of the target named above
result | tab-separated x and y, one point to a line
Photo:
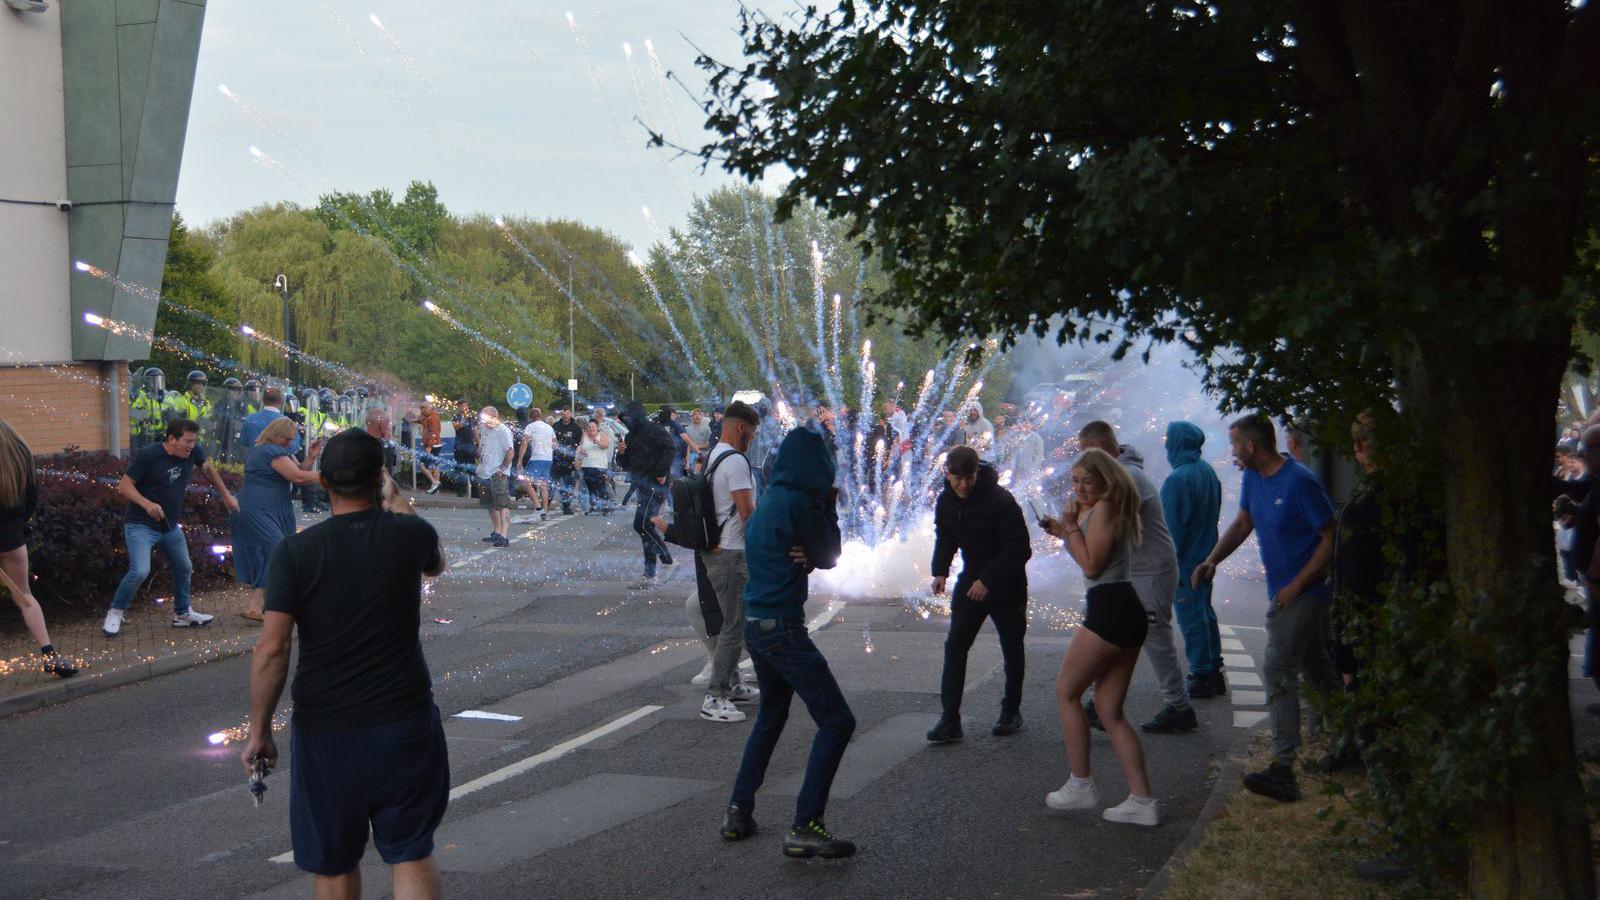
266	515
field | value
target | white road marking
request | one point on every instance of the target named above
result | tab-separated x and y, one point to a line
825	616
1249	698
1243	718
1238	661
532	762
1225	629
1248	679
483	714
1232	644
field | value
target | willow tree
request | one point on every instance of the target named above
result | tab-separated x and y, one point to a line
1348	202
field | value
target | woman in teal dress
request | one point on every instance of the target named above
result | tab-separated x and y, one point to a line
265	514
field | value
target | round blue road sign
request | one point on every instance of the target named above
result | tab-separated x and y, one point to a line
519	395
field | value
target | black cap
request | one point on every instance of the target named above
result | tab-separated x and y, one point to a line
352	459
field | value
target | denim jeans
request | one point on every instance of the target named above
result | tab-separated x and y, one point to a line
141	539
1197	619
1296	644
788	663
650	497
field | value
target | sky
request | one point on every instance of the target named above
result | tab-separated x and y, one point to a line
502	104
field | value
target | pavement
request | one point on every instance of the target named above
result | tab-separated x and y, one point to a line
595	775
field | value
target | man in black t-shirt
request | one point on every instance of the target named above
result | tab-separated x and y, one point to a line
154	486
563	468
368	746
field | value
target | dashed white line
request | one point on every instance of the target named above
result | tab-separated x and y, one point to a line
1248	679
1248	718
1233	644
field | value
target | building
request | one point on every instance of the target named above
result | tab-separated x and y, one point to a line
93	112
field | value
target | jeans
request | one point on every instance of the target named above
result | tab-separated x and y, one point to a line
1156	593
140	540
594	480
727	573
1197	619
650	497
1010	615
788	663
1296	645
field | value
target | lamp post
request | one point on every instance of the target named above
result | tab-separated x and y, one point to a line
572	358
281	285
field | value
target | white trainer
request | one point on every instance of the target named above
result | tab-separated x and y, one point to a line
716	709
744	693
113	623
1070	797
1132	812
191	619
704	678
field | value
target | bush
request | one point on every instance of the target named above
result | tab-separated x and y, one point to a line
76	552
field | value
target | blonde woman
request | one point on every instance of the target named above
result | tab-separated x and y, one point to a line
1099	525
266	513
19	497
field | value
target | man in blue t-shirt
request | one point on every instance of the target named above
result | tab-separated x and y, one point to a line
154	486
1288	509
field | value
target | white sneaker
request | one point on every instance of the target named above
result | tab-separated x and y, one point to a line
1070	797
648	581
191	619
704	678
716	709
113	623
744	693
1132	812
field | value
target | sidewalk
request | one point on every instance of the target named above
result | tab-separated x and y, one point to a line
148	646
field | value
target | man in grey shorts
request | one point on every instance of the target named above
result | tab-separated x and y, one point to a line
495	446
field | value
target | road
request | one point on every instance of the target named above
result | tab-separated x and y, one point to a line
607	782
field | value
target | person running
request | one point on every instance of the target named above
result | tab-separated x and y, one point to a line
794	530
977	516
541	444
651	449
368	749
154	486
1100	526
1191	498
266	509
1285	505
19	498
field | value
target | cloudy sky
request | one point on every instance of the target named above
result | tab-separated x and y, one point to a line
500	103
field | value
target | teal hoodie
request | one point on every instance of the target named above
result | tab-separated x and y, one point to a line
794	511
1191	500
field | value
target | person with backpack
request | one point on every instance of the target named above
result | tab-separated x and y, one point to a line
709	515
648	462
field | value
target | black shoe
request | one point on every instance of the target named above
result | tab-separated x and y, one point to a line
948	731
666	560
59	665
738	824
491	537
1199	687
1010	723
1219	683
1094	717
501	541
1171	720
1276	782
1384	869
813	839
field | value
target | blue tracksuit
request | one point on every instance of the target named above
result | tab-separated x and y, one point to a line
1191	500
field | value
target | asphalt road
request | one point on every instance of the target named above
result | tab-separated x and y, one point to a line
608	783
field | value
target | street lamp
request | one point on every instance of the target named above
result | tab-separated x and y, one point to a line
281	285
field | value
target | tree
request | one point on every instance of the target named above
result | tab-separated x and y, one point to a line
195	312
1343	204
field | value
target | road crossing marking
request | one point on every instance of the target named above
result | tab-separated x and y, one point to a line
1238	660
1248	718
1233	644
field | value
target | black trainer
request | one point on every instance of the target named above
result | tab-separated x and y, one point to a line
1171	720
1219	683
738	824
1094	717
59	665
946	732
1276	782
813	839
1010	723
1199	687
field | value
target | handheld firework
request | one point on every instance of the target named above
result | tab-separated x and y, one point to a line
258	781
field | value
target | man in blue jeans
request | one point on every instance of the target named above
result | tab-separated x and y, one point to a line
154	486
1288	509
795	529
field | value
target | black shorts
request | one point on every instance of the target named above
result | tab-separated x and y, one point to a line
393	778
1116	615
12	537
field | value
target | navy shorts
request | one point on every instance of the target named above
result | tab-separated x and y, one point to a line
392	778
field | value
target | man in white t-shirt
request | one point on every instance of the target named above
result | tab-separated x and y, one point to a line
496	444
541	449
733	496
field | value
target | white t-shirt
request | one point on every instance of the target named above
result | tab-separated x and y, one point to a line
592	456
541	441
733	475
493	445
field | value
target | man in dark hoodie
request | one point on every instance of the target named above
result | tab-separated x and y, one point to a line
977	516
1191	498
795	529
650	453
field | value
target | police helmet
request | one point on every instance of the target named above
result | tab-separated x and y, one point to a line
199	376
310	400
155	381
252	390
232	384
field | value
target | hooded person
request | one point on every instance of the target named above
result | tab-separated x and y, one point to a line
977	516
1191	499
794	530
649	460
978	432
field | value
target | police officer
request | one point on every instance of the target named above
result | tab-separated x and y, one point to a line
231	413
252	397
192	403
316	419
145	421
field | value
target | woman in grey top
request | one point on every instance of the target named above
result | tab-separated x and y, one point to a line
1099	525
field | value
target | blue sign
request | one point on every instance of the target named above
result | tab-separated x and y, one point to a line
519	396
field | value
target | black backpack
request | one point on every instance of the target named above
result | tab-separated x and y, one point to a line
695	522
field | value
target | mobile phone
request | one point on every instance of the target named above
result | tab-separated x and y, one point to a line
1040	513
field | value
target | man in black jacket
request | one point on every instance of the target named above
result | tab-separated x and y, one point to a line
980	518
650	453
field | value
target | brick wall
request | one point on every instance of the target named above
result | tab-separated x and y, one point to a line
54	406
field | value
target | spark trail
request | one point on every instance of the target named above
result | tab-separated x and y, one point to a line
638	265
